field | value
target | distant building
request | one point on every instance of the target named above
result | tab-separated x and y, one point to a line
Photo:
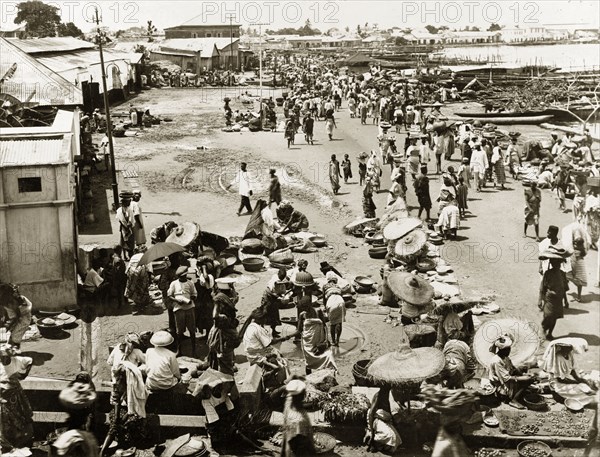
469	37
524	34
199	54
14	31
422	37
374	41
195	28
342	41
305	42
38	230
268	42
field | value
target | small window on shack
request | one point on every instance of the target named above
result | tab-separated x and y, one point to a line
30	185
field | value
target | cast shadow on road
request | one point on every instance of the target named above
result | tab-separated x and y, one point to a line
39	358
575	311
337	139
593	340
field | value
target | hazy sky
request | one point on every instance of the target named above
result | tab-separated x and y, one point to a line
123	14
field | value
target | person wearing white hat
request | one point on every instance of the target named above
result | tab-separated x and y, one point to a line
162	368
298	437
182	294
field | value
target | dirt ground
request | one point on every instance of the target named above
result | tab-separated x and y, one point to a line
183	165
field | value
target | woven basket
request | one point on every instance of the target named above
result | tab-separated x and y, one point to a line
359	371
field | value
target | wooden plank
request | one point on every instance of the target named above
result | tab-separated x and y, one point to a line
165	420
171	420
51	417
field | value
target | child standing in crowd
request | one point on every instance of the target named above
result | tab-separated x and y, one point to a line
462	192
347	168
464	172
362	170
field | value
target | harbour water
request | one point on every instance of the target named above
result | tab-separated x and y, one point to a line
567	57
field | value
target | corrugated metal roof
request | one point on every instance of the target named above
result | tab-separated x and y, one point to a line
51	44
28	152
199	21
13	28
80	65
80	59
34	81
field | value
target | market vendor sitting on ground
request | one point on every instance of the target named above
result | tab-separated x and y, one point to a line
162	368
510	381
15	313
559	361
290	219
126	351
94	283
259	342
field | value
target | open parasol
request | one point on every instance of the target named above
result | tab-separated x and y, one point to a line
397	229
160	251
525	340
410	288
406	365
411	243
186	234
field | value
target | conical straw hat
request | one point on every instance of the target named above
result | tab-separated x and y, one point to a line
406	365
525	340
411	243
397	229
410	288
184	234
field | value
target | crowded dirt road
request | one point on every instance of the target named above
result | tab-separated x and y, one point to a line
184	165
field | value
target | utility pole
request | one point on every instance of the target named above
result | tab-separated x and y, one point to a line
111	149
260	24
231	16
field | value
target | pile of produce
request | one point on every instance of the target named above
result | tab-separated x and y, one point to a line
318	384
484	452
549	423
534	450
345	408
449	401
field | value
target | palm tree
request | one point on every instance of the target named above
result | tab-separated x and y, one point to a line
151	29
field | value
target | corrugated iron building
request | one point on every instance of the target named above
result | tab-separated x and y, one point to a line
31	82
198	54
38	231
78	62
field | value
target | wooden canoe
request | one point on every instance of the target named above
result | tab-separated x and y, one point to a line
507	118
